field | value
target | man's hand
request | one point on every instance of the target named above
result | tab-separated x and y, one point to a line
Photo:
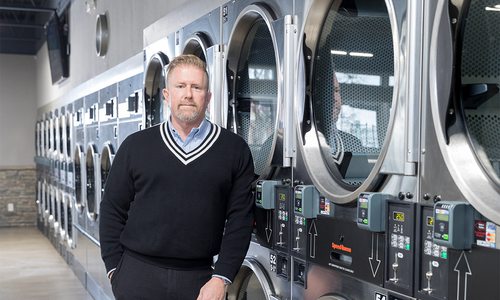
214	289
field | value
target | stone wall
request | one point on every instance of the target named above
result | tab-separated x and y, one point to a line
17	197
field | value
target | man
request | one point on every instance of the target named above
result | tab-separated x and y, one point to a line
177	195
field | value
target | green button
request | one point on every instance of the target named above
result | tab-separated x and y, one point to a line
445	237
365	221
407	247
444	254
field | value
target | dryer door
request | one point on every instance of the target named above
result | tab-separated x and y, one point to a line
79	177
201	45
347	98
467	127
154	83
108	153
253	74
251	282
91	180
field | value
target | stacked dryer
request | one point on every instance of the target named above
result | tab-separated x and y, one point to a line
460	129
356	119
258	40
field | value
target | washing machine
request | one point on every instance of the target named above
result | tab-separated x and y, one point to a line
68	183
357	122
78	190
460	164
256	39
108	133
157	57
202	38
131	107
91	161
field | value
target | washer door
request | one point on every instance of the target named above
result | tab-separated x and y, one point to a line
92	199
154	83
254	77
79	176
347	97
68	211
468	126
251	282
108	153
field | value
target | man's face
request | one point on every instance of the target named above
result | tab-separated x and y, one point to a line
187	95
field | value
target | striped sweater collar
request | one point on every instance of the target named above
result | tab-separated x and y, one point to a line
181	155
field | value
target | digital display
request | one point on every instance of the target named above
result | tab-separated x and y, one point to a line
398	216
442	217
363	203
430	221
282	196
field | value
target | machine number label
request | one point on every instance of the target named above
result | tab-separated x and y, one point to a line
273	261
380	296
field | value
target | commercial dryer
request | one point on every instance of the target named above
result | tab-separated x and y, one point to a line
92	140
255	41
158	55
202	38
356	116
460	166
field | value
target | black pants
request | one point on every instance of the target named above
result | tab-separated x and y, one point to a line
136	279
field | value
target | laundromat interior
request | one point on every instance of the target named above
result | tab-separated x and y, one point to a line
374	127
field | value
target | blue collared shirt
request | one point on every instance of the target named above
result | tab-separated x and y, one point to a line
194	138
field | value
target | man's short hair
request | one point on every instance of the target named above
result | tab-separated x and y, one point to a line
186	59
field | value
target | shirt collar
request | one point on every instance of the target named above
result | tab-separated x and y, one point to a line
204	127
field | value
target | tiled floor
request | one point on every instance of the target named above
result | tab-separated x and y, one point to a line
31	268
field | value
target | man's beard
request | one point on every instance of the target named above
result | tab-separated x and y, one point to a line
187	116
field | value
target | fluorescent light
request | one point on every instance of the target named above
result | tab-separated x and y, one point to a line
361	54
494	8
338	52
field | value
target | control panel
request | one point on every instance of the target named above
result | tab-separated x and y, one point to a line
400	246
282	216
371	211
432	279
454	224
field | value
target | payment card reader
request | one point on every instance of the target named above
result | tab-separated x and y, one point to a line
264	193
306	198
453	224
371	211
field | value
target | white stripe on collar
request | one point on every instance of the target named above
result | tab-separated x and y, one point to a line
184	157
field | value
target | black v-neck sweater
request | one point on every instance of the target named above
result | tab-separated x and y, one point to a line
177	209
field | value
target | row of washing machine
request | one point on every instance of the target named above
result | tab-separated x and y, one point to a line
374	131
75	145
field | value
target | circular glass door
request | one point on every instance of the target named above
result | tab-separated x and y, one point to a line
68	211
154	83
78	157
67	135
92	208
348	98
253	76
62	215
251	282
468	129
197	45
106	160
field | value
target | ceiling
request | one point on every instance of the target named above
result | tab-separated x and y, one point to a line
22	24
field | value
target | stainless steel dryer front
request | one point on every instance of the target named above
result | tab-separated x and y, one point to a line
356	117
92	140
157	57
255	40
202	38
461	151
